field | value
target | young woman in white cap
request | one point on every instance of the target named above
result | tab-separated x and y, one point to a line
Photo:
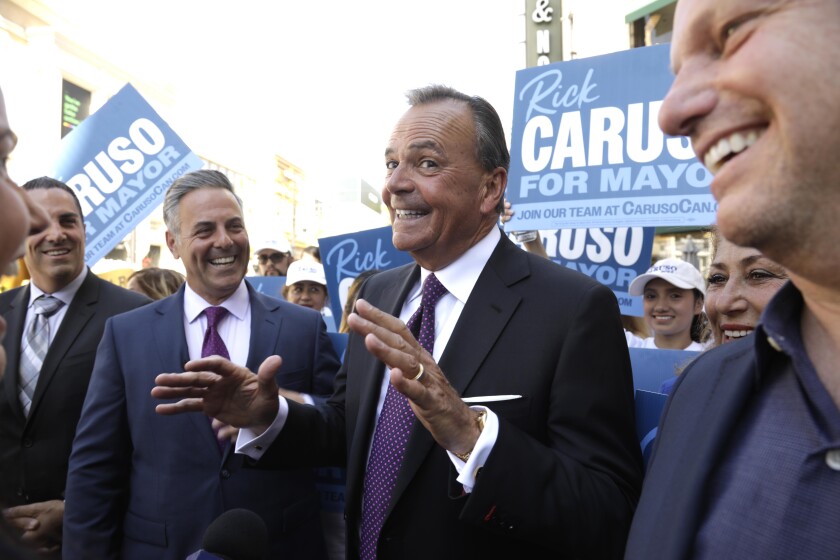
673	292
306	285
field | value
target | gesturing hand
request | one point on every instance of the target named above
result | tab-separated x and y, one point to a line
221	389
435	403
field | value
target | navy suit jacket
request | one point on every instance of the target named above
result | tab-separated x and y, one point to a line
142	485
34	450
696	424
564	475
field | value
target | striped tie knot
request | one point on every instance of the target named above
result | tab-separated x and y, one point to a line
46	306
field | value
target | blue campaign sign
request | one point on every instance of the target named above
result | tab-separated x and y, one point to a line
649	407
587	150
120	161
345	256
268	285
613	256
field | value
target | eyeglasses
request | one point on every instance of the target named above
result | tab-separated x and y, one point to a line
275	258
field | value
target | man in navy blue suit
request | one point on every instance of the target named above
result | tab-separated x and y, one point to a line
143	486
747	459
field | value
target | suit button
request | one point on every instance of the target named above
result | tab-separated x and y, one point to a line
225	474
832	459
27	442
19	492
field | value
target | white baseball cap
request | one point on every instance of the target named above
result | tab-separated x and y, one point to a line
303	270
674	271
279	245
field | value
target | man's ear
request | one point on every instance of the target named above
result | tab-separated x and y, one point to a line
173	247
493	191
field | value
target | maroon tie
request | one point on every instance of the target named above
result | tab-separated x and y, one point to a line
393	429
213	345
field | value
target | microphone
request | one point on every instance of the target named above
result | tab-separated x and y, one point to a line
237	534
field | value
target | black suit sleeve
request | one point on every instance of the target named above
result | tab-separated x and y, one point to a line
575	486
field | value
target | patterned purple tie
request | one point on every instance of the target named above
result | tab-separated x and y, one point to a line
213	345
393	429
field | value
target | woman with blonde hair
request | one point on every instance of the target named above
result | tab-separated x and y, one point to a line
157	283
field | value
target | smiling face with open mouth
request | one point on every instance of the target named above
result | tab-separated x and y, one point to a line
212	242
56	255
741	283
745	94
440	199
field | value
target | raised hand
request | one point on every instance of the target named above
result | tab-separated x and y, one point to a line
221	389
435	403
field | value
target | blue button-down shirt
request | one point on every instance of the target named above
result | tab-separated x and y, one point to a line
776	493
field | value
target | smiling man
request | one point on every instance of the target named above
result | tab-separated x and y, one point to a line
547	464
747	463
141	486
50	351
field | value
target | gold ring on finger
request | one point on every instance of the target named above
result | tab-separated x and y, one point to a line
419	374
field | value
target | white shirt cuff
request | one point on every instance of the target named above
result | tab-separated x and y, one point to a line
307	398
254	445
486	440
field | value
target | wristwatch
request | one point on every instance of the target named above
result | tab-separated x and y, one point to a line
482	416
525	236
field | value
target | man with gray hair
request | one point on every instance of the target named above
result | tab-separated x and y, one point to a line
142	486
485	403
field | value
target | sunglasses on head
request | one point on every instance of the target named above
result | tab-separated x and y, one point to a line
275	258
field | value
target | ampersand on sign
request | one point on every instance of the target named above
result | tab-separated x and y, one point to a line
542	13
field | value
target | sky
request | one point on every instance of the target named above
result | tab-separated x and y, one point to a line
320	83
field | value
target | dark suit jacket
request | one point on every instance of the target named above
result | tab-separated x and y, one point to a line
34	450
142	485
563	478
695	427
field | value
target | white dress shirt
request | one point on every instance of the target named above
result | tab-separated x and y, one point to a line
459	279
234	328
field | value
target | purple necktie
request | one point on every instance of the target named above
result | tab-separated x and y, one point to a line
393	429
213	345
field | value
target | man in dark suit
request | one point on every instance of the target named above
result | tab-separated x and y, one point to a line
548	464
747	456
38	414
141	486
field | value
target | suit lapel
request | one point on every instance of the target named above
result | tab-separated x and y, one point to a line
389	299
171	344
78	315
265	329
15	320
491	305
708	439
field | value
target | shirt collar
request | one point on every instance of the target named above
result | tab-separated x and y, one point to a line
460	276
236	304
779	329
65	294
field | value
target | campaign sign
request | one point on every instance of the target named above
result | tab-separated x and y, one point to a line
613	256
120	161
268	285
345	256
649	407
587	150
